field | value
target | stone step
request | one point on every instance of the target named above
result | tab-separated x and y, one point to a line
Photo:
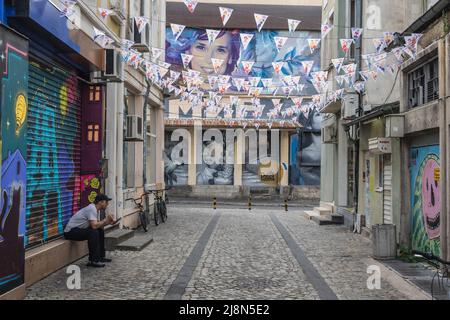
137	243
310	214
115	237
328	220
328	205
322	211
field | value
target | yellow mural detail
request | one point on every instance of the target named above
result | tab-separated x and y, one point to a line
21	112
63	99
95	183
92	196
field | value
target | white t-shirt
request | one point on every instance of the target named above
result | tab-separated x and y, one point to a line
81	218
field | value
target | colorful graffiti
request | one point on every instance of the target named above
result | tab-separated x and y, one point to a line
53	152
261	49
425	199
90	187
14	108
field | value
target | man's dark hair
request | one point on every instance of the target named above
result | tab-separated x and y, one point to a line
101	197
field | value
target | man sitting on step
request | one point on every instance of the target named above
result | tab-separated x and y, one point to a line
85	225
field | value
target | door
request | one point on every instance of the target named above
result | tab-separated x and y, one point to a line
53	175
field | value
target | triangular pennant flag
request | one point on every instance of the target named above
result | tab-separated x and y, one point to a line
191	4
388	38
326	29
307	67
224	78
267	82
337	63
174	75
300	88
313	44
280	42
156	53
212	80
346	45
238	83
277	66
293	24
340	80
260	19
186	58
104	13
379	44
364	75
320	76
412	41
247	66
356	33
245	39
254	81
212	35
359	86
374	75
349	68
177	29
141	22
126	44
68	9
225	14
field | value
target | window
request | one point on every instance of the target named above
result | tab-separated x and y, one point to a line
94	93
93	133
423	84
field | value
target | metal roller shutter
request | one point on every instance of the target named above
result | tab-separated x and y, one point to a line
54	143
387	191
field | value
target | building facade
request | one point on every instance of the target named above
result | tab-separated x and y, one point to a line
67	101
298	161
378	146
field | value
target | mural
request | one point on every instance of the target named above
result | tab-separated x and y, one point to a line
53	152
425	199
261	50
90	187
305	156
13	148
174	174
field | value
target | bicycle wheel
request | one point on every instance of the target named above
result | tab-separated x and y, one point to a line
156	214
143	219
163	210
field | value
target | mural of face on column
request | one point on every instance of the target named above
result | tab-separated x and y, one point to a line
431	204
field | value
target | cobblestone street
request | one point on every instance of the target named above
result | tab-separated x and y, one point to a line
231	253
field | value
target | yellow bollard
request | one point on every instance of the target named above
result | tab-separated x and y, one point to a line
285	205
215	203
250	203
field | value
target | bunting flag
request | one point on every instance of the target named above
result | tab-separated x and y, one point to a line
307	67
374	75
68	8
254	81
260	20
280	42
212	35
267	82
245	39
177	29
320	76
293	24
326	29
156	53
297	102
104	13
234	100
191	4
174	75
349	68
277	66
186	59
379	44
126	44
141	22
212	80
346	45
412	42
300	88
313	44
247	66
340	80
225	14
224	78
337	63
398	52
238	83
356	33
359	86
388	38
364	75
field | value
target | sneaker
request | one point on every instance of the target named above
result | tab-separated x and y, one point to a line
105	260
95	264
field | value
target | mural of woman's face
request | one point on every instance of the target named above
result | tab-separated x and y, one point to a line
431	204
203	52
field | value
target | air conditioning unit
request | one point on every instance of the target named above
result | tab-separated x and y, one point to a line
112	71
135	129
329	134
395	126
140	39
350	105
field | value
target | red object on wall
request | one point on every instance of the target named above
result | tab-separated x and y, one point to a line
92	129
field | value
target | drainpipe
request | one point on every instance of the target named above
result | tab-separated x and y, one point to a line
119	142
443	147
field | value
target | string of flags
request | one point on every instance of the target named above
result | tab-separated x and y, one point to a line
191	86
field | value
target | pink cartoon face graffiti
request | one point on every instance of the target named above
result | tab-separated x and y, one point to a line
431	202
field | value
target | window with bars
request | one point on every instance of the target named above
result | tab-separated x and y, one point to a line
423	84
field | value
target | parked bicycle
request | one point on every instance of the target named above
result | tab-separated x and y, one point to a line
159	207
442	270
143	213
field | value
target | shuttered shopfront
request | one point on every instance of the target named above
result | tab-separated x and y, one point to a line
53	165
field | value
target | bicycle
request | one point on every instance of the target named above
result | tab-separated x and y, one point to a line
159	207
442	269
143	214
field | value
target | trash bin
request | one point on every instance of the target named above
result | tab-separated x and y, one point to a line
384	242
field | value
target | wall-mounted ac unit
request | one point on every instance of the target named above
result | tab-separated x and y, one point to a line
134	130
395	126
329	134
112	66
350	105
